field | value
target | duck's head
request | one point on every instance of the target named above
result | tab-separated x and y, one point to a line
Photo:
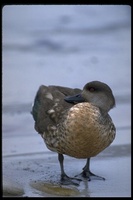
97	93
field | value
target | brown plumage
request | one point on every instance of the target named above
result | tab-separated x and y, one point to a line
75	122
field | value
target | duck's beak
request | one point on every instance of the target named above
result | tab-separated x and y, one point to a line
74	99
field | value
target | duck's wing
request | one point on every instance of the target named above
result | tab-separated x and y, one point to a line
66	91
49	105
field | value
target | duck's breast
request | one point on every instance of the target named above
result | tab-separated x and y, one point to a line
84	132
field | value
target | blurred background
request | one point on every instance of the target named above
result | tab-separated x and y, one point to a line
67	45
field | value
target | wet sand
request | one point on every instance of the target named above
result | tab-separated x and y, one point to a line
31	174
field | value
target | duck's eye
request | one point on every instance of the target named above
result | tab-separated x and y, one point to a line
91	89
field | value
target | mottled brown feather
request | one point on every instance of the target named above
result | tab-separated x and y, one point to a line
82	130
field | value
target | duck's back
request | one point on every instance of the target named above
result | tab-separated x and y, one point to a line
49	105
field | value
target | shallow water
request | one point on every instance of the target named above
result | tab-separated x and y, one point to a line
68	46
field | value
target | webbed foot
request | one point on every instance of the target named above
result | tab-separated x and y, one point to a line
66	180
89	175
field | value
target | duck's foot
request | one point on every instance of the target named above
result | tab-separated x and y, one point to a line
89	175
66	180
